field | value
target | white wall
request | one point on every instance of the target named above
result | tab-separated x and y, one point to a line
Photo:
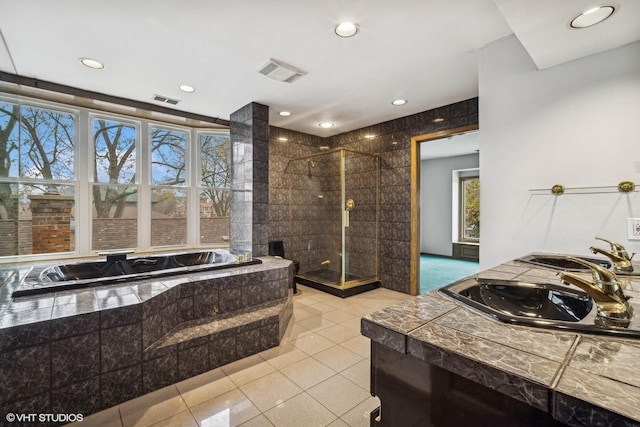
576	124
436	201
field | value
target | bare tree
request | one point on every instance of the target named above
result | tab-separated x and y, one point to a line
36	143
216	171
9	118
115	146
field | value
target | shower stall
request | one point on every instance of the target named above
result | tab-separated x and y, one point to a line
333	220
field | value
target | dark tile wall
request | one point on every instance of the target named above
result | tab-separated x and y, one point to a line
249	228
393	143
285	201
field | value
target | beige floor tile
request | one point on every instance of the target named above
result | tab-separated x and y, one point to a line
182	419
354	323
360	373
230	409
300	411
295	331
338	333
153	407
271	390
320	308
338	423
107	418
259	421
340	315
316	323
312	344
338	394
301	313
360	310
307	372
251	373
341	303
360	345
359	416
195	394
242	364
285	358
337	358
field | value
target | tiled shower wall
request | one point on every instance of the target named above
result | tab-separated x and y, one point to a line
285	201
393	143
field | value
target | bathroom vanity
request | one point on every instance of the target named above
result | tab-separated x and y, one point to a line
437	362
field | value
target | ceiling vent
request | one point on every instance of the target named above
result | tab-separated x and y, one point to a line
166	100
280	71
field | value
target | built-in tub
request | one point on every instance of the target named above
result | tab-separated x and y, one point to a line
120	268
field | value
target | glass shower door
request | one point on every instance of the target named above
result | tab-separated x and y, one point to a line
360	217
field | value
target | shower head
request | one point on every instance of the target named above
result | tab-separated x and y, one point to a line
311	164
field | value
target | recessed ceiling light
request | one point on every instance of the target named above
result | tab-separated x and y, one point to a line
285	113
324	147
399	102
347	29
369	136
325	125
187	88
92	63
438	120
283	139
592	17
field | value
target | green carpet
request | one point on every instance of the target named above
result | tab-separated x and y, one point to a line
437	271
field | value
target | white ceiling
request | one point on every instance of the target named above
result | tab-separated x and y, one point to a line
424	51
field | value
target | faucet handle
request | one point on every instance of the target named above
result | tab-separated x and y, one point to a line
599	273
603	278
617	248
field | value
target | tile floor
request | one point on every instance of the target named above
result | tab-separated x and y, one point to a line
318	376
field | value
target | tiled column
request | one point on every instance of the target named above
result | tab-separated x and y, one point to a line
249	228
51	216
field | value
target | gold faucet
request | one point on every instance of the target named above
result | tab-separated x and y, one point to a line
618	255
605	290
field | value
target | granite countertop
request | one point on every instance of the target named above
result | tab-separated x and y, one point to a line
55	305
572	375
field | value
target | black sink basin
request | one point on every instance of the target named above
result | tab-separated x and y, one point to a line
543	305
561	262
532	301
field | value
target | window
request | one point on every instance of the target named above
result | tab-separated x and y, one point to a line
469	209
37	179
215	182
168	195
130	183
114	189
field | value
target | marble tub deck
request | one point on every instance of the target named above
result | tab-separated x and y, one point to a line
581	379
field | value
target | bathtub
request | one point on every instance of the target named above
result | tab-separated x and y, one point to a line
120	268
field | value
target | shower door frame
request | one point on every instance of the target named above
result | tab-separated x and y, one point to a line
347	284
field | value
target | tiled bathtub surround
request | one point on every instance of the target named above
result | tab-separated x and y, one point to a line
84	351
580	379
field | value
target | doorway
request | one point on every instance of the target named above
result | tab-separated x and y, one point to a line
444	215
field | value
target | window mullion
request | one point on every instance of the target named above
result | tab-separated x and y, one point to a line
83	216
193	198
143	178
